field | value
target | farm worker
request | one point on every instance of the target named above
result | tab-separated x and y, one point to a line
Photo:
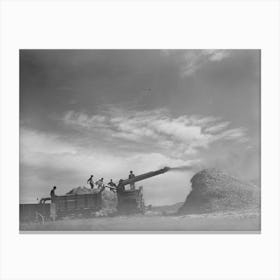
99	183
52	193
90	181
112	185
131	176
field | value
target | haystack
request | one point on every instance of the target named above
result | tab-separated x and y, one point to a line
216	191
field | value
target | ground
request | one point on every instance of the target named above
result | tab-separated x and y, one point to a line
242	221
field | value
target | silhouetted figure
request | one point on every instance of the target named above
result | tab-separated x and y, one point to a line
90	181
112	186
131	176
52	193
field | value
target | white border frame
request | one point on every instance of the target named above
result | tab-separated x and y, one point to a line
155	24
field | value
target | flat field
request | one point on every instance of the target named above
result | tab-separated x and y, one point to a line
232	221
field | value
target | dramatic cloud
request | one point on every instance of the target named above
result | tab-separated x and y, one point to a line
175	136
216	55
194	60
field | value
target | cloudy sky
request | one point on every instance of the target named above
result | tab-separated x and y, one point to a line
105	112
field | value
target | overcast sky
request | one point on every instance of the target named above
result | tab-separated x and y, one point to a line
105	112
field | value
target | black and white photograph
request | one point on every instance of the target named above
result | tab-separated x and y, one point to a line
140	140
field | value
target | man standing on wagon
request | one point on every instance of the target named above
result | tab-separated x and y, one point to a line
90	181
131	176
52	194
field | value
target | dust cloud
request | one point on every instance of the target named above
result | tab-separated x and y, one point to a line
183	168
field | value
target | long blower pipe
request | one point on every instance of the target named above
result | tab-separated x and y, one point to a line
143	176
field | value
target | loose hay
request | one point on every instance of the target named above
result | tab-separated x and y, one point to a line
82	190
216	191
109	200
